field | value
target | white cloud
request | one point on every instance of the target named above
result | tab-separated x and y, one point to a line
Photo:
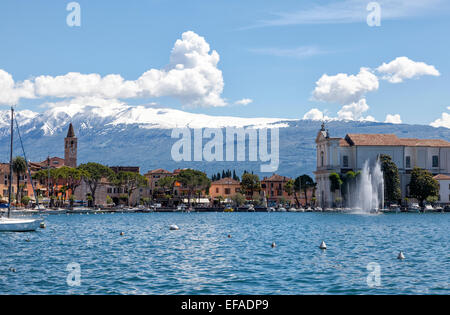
315	114
192	77
403	68
444	121
11	92
355	111
393	119
343	88
244	101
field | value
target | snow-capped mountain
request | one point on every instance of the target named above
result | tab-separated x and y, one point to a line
113	114
119	134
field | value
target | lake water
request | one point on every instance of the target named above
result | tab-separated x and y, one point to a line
201	259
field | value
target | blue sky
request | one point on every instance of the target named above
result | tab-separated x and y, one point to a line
272	52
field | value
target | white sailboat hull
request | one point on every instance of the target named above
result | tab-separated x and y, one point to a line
19	225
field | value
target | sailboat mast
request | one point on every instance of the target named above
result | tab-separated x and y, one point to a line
11	164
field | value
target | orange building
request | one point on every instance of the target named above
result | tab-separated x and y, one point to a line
154	176
273	189
225	187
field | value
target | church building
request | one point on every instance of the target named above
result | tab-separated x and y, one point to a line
341	155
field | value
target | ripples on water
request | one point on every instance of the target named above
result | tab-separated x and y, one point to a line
201	259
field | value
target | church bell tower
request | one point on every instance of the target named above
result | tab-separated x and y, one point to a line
70	148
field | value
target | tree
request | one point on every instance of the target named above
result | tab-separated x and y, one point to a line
19	168
72	178
194	181
289	187
129	181
93	173
166	183
423	185
391	179
238	199
250	183
25	200
336	182
306	182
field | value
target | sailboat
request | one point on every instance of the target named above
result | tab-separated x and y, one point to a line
8	224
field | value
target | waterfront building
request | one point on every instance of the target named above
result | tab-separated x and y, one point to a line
24	184
273	189
226	188
153	176
444	188
340	155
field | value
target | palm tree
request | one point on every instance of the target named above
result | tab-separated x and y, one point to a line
19	168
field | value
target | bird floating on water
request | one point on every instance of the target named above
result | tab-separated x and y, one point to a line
323	245
401	256
174	227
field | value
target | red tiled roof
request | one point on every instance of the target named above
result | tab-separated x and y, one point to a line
442	177
159	171
276	178
226	181
390	140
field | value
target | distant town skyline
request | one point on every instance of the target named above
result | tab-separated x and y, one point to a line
288	59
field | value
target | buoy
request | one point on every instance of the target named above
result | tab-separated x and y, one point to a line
42	225
274	245
174	227
28	240
323	245
12	269
229	236
122	234
401	256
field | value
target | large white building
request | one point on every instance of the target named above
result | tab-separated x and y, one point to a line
444	188
340	155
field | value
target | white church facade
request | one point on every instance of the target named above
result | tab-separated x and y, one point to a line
340	155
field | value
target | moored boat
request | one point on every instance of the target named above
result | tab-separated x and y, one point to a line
19	225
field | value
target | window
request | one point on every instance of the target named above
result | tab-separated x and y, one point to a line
217	190
345	161
227	191
435	161
408	162
321	158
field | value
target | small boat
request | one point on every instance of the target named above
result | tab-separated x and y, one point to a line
318	209
414	208
292	209
19	225
439	209
428	208
282	209
228	209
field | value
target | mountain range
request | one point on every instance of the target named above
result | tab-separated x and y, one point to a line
141	136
